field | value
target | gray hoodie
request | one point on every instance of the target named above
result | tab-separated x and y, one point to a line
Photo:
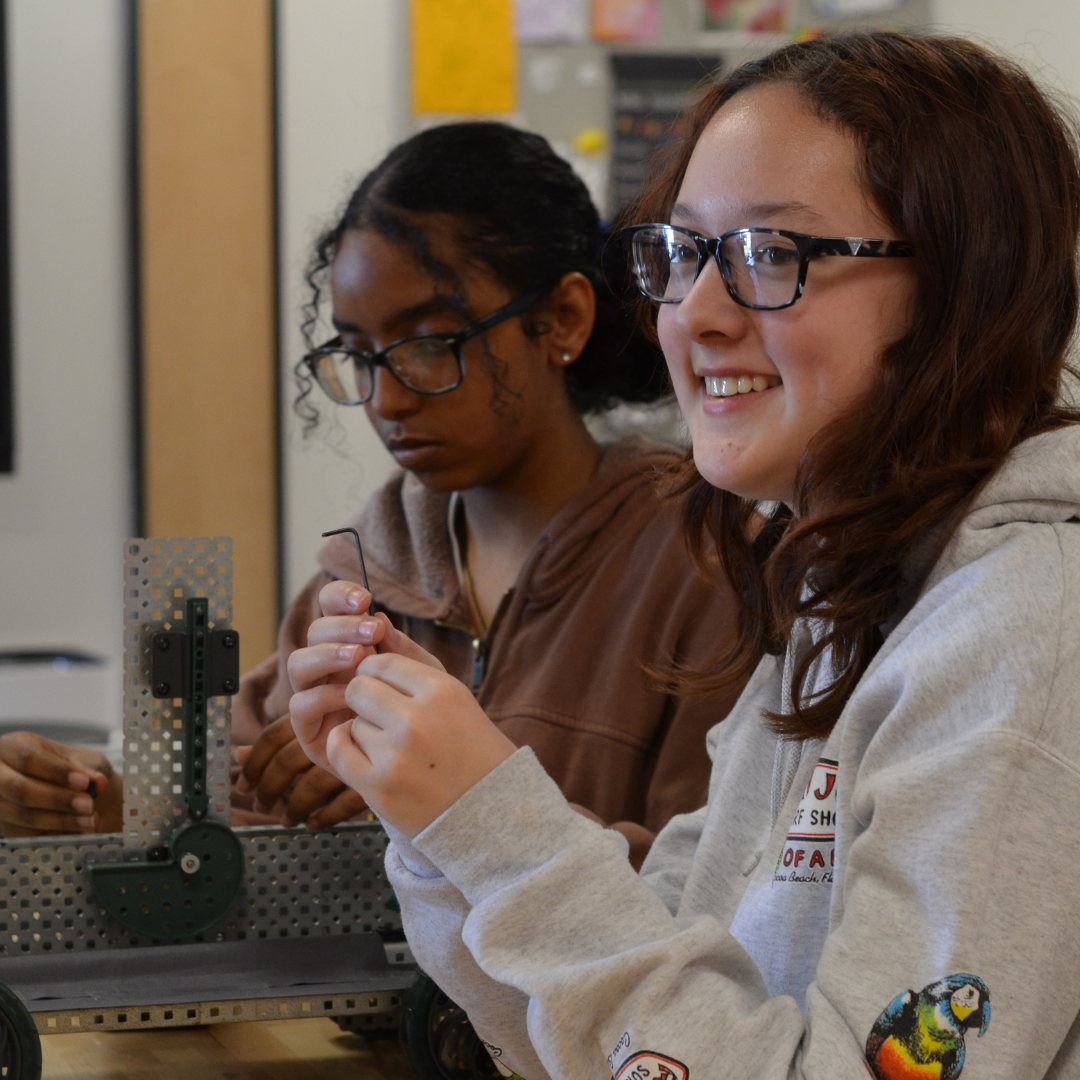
839	907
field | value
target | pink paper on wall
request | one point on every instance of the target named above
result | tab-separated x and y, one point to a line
625	20
752	16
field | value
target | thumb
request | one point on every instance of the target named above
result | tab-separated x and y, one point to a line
395	641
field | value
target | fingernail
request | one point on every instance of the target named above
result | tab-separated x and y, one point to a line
242	783
354	599
366	630
348	652
82	804
78	780
312	823
86	822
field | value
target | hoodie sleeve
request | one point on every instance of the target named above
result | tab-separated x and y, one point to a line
555	914
964	790
434	911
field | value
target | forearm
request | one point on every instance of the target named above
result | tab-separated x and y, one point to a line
433	913
559	915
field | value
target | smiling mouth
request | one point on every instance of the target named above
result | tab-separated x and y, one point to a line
730	385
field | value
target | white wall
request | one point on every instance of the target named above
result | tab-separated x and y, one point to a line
65	513
341	105
1044	34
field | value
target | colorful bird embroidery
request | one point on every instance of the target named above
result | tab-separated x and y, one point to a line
921	1036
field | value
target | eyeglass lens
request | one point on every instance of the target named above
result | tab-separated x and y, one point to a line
761	268
425	365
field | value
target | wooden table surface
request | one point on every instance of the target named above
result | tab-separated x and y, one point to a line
269	1050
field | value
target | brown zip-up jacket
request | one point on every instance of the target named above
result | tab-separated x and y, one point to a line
606	592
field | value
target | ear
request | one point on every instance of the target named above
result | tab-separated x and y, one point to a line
571	312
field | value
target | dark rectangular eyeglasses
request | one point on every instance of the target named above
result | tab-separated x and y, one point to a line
763	269
425	364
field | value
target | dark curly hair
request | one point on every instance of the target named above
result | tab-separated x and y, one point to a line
519	210
969	160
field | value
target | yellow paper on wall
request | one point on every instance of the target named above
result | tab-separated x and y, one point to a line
463	57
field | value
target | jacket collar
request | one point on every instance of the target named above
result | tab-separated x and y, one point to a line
409	556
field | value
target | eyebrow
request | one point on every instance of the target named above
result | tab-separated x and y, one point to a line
751	213
434	305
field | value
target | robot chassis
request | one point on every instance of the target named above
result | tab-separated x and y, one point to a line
182	920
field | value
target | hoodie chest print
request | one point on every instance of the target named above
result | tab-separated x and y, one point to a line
809	852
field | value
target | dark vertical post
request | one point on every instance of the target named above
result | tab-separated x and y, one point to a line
131	180
195	722
275	148
7	374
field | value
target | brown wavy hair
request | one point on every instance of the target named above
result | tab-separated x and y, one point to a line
964	156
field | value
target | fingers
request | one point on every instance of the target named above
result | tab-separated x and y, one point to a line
315	713
18	819
312	792
41	807
344	598
346	758
395	642
356	629
315	664
343	807
406	674
94	763
271	739
24	790
376	702
308	708
32	755
286	768
368	631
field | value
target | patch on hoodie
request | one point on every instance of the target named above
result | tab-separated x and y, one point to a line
496	1056
921	1036
810	848
649	1066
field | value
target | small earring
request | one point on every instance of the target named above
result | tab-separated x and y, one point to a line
566	357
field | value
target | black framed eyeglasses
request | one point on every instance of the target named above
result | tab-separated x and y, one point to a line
426	364
763	269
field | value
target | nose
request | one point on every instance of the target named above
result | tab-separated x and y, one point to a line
708	311
391	400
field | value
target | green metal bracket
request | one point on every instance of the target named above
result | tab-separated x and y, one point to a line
195	664
188	885
195	710
187	891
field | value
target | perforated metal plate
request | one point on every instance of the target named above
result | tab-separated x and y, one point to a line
160	573
296	883
367	1012
214	982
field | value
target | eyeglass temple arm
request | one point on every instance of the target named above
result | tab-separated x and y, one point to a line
360	555
515	307
860	248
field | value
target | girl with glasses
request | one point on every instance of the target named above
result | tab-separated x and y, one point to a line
883	880
475	326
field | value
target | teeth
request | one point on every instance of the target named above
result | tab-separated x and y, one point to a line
729	386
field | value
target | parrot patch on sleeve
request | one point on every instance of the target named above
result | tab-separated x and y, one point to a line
920	1036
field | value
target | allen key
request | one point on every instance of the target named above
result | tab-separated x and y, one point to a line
360	555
